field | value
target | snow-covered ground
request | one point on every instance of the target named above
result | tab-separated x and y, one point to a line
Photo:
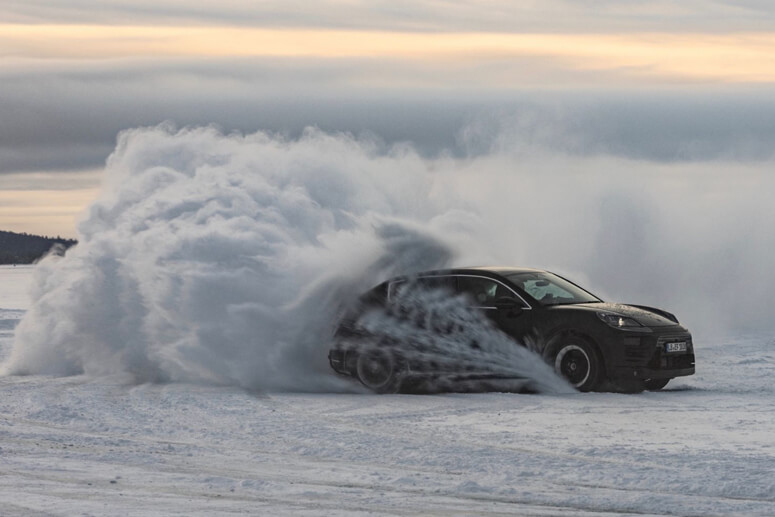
85	446
14	283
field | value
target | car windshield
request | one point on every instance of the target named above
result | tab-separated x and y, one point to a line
550	289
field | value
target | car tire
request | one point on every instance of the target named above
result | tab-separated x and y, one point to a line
656	384
630	386
578	362
379	371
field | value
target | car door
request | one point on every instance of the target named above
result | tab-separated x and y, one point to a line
488	294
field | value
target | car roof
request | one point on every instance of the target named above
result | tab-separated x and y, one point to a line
505	270
499	270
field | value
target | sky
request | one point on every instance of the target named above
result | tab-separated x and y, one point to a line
651	81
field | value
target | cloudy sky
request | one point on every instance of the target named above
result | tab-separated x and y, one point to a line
649	80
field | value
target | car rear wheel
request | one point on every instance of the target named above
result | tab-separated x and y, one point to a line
578	362
656	384
379	371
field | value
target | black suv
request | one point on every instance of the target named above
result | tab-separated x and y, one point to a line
593	344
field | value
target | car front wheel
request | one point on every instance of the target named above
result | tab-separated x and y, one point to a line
656	384
578	362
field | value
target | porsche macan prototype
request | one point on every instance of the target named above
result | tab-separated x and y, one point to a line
593	344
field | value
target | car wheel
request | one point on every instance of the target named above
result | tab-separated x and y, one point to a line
656	384
379	371
578	362
631	386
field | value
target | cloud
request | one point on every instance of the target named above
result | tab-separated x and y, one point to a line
66	116
611	16
47	202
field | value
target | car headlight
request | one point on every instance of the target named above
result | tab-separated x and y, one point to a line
618	321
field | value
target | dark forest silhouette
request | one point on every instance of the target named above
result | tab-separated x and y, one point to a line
23	248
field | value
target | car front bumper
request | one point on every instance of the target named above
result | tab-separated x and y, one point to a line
628	372
645	356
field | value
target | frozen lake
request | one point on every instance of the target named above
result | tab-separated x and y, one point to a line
97	446
14	283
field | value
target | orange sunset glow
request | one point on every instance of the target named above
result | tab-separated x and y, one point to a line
654	57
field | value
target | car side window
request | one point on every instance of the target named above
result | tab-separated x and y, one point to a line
483	292
437	282
539	289
428	283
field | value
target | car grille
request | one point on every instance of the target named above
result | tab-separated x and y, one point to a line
636	352
678	362
663	361
650	352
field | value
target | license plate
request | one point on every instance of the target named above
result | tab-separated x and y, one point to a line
675	347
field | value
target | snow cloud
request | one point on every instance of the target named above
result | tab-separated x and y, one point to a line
226	258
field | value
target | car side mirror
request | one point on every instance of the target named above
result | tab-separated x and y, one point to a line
507	303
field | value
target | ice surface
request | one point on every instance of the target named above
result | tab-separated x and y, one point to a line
15	283
704	446
72	445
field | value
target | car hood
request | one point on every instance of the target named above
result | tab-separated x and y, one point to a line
641	315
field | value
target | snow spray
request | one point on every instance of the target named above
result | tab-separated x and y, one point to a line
446	345
227	259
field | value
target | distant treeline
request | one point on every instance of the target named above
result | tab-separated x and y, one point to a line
23	248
